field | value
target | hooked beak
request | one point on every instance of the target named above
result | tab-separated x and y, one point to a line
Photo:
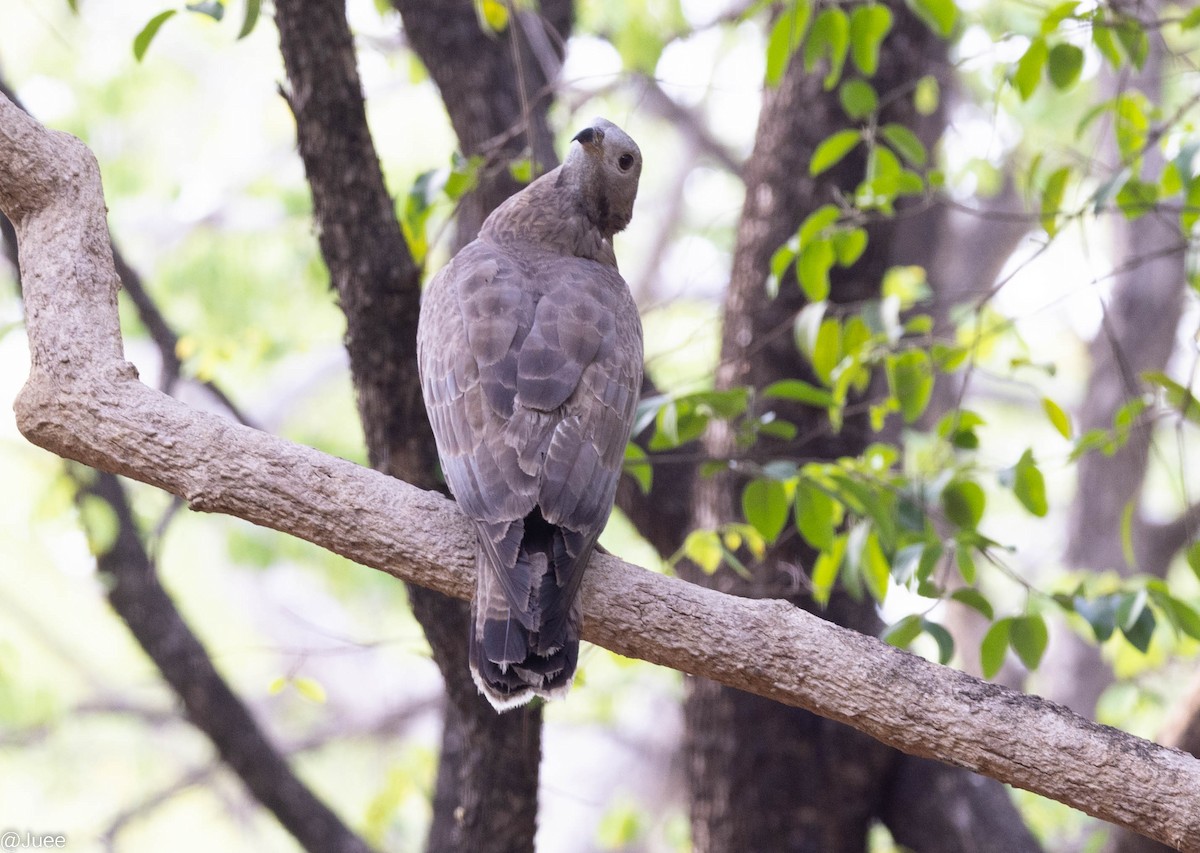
589	136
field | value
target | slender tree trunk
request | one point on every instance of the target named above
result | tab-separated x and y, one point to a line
1137	335
486	794
766	777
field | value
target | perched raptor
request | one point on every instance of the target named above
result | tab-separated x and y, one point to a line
530	352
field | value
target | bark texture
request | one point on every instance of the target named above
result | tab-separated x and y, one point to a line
486	794
83	401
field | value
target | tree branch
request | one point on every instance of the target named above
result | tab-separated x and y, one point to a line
211	704
83	401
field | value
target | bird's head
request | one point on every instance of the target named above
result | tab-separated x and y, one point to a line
605	167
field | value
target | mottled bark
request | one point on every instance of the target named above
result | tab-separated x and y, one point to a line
764	776
486	797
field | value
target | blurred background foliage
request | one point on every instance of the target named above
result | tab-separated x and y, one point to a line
208	202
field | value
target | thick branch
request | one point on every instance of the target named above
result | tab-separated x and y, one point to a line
83	401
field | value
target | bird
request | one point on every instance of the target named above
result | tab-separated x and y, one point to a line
529	348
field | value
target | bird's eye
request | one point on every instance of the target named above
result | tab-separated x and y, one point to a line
625	162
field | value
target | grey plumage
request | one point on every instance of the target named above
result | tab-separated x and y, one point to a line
530	353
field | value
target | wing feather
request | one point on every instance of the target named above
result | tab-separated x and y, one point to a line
530	372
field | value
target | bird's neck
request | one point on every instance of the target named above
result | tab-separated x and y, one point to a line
549	216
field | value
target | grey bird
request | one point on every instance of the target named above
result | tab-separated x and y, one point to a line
530	354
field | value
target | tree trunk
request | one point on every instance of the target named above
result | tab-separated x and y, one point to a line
1137	335
765	776
486	794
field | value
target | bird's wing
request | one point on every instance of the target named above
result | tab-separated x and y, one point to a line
530	381
473	318
582	360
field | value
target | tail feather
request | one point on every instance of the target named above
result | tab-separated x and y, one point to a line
519	650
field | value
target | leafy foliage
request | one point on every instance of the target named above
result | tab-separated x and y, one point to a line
911	510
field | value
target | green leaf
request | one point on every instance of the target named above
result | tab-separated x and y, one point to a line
828	39
903	632
492	14
959	429
910	379
1066	63
1136	198
214	9
1100	613
1185	617
1191	20
1028	72
1060	419
994	647
907	561
765	506
832	149
785	37
1132	124
1102	38
1029	485
637	466
849	245
930	557
1135	40
905	142
141	41
963	502
806	328
521	170
812	268
817	515
858	98
941	636
703	547
926	95
1057	15
1052	199
939	15
965	561
827	351
1141	631
784	257
1028	637
816	224
253	8
310	689
1193	557
1179	398
799	391
825	570
875	568
869	25
974	599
